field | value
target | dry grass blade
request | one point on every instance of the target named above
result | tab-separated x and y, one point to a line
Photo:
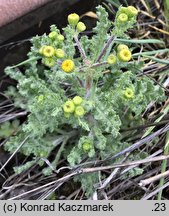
153	179
14	153
141	142
155	191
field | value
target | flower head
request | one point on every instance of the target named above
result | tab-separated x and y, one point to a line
123	10
121	46
60	53
43	154
124	55
48	51
122	18
129	93
60	38
87	146
132	11
73	19
49	62
79	111
69	107
40	98
77	100
68	65
53	35
112	59
81	27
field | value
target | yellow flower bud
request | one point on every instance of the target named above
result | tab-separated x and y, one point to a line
81	27
129	93
132	11
124	55
121	46
77	100
69	107
87	146
122	18
68	66
53	35
123	10
112	59
40	98
43	154
73	19
79	111
60	53
60	38
49	62
48	51
66	115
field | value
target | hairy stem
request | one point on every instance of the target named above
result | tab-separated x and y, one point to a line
103	52
24	62
81	50
99	64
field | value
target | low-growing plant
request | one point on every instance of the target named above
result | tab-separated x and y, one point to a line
80	91
9	128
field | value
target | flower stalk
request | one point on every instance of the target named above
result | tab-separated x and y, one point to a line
80	48
107	45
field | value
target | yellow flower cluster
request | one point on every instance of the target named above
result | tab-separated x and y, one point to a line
124	54
126	14
73	20
50	55
56	37
74	106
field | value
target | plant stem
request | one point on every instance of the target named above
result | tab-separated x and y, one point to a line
24	62
99	64
103	52
164	166
60	151
81	50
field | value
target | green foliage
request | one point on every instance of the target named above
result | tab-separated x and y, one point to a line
101	33
24	167
88	181
9	128
43	91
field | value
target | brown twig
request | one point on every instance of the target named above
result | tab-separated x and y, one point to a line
153	179
155	191
102	168
88	170
22	143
